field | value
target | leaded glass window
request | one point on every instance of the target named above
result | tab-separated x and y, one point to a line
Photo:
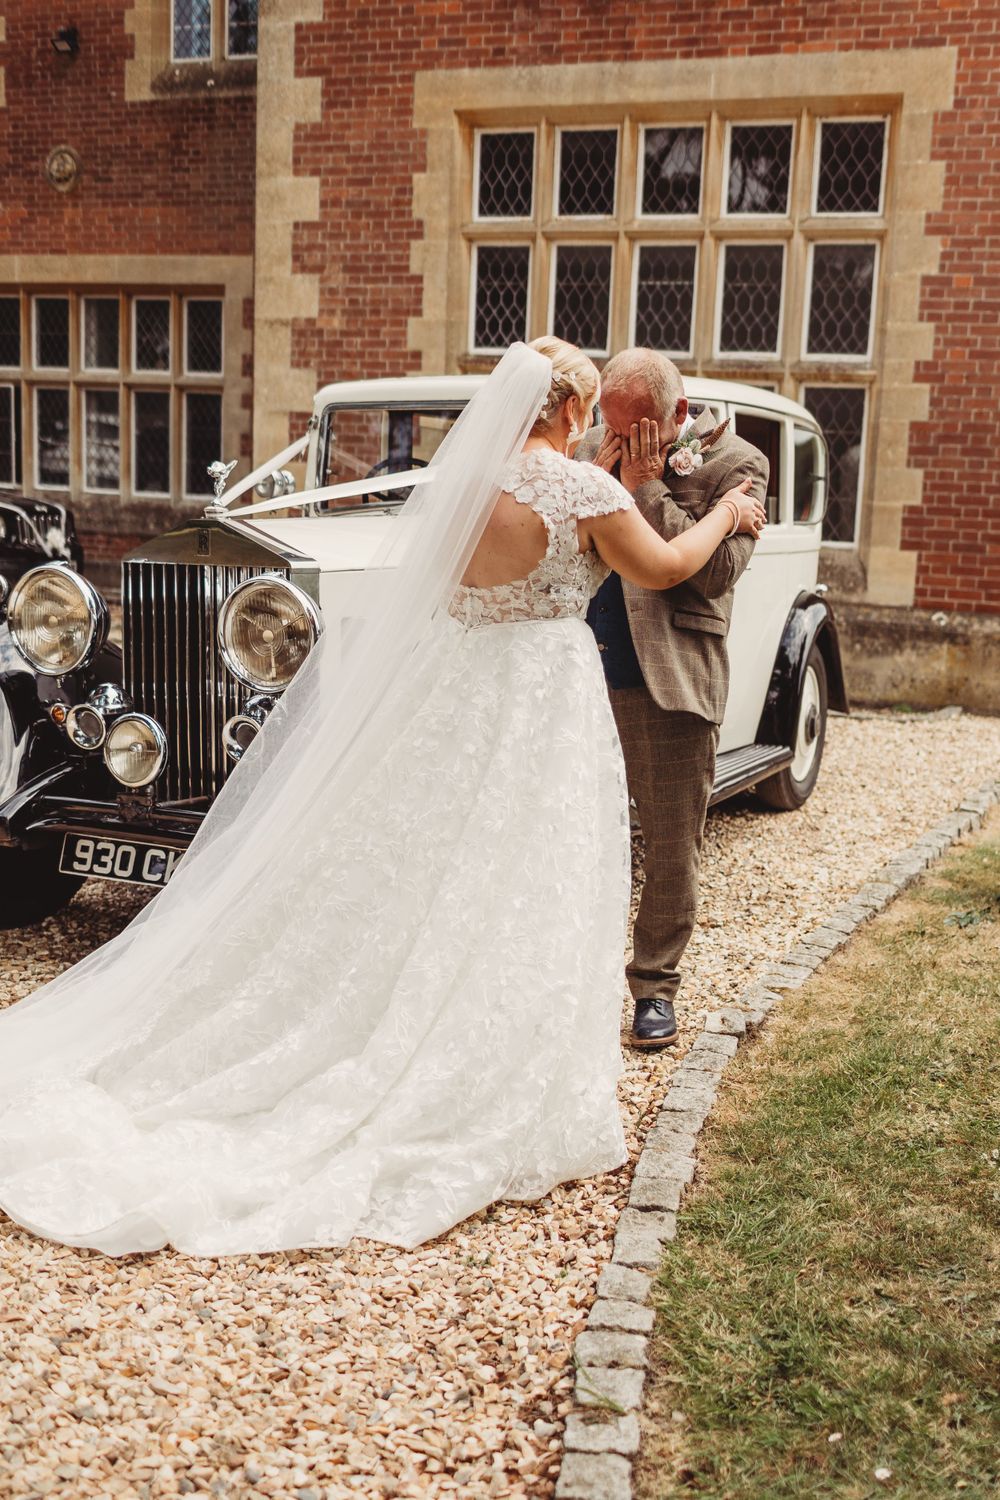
500	306
52	437
581	311
850	168
750	315
52	333
100	333
8	466
760	169
841	299
671	169
152	333
241	40
10	330
505	187
192	29
102	439
203	336
664	297
151	442
840	411
202	439
588	169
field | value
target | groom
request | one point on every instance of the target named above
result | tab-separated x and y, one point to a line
665	656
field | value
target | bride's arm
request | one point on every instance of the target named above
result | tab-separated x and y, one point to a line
629	545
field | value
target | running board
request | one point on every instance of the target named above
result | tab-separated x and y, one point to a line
735	770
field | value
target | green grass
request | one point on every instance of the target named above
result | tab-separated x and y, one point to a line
838	1270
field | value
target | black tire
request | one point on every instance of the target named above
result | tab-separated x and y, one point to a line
790	788
31	888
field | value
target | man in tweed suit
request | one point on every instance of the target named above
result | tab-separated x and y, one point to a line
665	657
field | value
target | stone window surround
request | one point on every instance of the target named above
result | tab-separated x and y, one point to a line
229	277
152	73
908	86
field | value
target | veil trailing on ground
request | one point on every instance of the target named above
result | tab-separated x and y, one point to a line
348	702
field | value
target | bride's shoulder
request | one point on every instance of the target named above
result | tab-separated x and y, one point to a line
597	492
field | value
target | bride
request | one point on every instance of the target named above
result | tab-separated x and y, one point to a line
384	987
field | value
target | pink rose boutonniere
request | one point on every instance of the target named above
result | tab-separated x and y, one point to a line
688	453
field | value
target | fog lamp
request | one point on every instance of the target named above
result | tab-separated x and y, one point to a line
135	751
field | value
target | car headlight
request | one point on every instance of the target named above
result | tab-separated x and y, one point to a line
58	620
267	627
135	750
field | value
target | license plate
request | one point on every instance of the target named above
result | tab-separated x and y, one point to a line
118	859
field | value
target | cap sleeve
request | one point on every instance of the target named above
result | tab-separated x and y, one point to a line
599	494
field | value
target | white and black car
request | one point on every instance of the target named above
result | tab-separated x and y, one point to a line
109	759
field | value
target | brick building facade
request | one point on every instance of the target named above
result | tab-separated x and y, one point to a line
802	197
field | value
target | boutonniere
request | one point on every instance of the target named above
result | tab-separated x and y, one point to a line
688	453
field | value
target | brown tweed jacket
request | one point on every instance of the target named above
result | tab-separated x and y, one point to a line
680	633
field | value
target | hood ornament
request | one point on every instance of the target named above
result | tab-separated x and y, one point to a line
219	473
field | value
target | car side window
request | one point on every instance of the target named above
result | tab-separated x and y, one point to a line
765	433
810	477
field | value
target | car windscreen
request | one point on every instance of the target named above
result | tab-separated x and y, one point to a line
369	442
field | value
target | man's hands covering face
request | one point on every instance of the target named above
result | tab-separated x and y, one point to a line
638	452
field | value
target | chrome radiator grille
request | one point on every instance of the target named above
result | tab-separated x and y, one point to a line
173	669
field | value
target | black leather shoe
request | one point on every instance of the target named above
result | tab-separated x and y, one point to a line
653	1025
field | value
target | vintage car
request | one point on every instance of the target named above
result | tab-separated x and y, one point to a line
109	760
33	532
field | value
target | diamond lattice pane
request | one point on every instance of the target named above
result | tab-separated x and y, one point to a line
102	434
840	306
192	29
52	438
582	311
588	161
242	40
151	441
671	170
7	463
851	156
152	333
100	333
840	411
202	440
751	299
664	303
506	174
52	332
760	169
204	336
10	331
501	315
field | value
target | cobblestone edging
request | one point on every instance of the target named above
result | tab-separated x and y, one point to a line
611	1356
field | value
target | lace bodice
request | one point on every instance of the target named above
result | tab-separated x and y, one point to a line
564	581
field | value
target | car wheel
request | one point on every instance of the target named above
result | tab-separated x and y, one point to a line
790	787
31	889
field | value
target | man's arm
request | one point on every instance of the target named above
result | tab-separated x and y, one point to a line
731	557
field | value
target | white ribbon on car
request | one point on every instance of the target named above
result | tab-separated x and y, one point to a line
375	484
279	459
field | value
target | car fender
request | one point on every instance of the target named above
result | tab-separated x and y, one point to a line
30	744
810	622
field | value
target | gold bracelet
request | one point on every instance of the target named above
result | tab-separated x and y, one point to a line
734	508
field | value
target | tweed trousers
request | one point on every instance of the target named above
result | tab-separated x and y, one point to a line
670	765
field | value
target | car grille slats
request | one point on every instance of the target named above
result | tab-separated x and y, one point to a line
173	668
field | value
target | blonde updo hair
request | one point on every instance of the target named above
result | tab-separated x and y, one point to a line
573	374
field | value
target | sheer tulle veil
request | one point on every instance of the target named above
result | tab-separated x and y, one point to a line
348	700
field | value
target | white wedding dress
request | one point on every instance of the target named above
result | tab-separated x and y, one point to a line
414	1010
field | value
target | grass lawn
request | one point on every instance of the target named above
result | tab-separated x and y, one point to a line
830	1306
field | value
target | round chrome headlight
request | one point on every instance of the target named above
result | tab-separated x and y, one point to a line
85	727
267	627
135	750
58	620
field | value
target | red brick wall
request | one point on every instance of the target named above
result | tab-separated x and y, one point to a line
169	176
366	151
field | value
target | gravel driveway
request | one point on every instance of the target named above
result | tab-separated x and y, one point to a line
445	1370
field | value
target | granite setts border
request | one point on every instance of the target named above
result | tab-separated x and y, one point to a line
602	1436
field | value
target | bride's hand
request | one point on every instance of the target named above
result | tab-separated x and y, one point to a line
753	516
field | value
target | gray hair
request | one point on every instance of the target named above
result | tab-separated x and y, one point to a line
645	379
